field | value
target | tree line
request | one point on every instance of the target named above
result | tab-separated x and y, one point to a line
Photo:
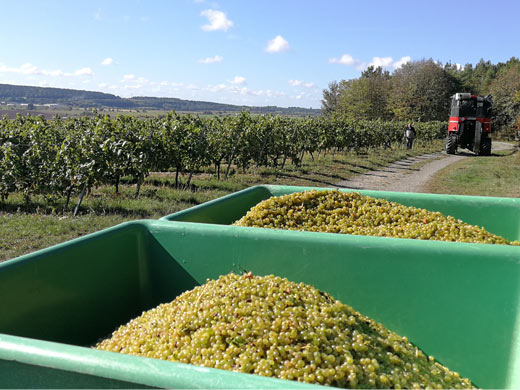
84	99
421	91
63	157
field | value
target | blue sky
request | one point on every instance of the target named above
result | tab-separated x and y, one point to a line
251	52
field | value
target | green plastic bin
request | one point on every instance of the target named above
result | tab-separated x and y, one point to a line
497	215
459	303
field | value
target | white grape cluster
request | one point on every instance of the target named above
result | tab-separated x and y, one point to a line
333	211
269	326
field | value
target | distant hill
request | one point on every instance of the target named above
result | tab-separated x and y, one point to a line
88	99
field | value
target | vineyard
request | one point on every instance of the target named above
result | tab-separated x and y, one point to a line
66	157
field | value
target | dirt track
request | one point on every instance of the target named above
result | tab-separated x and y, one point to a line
402	176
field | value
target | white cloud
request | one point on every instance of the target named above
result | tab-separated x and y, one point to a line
346	59
401	62
386	62
210	60
304	94
132	85
29	69
268	93
170	84
132	82
383	62
237	89
84	72
217	20
217	88
193	87
300	83
277	44
26	69
238	80
107	61
55	73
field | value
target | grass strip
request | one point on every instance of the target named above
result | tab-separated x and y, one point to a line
495	175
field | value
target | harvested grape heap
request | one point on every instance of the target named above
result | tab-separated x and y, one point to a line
270	326
352	213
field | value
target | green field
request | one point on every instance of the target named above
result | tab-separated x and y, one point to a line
65	112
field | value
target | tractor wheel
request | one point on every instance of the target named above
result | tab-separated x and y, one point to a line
451	144
485	147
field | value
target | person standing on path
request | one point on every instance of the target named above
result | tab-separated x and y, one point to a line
409	134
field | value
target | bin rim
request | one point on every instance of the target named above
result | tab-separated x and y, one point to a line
274	188
132	369
282	189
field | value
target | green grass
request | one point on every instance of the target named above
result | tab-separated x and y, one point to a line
496	175
25	228
23	233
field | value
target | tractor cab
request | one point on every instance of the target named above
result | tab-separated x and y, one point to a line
470	124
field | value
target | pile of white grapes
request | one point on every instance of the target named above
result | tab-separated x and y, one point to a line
269	326
333	211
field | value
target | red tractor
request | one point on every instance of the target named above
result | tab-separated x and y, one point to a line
470	124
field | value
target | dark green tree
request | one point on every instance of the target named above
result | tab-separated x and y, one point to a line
421	91
367	96
505	89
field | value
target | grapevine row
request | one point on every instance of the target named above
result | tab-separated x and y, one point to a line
69	156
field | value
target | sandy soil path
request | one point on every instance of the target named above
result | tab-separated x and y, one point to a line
402	176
